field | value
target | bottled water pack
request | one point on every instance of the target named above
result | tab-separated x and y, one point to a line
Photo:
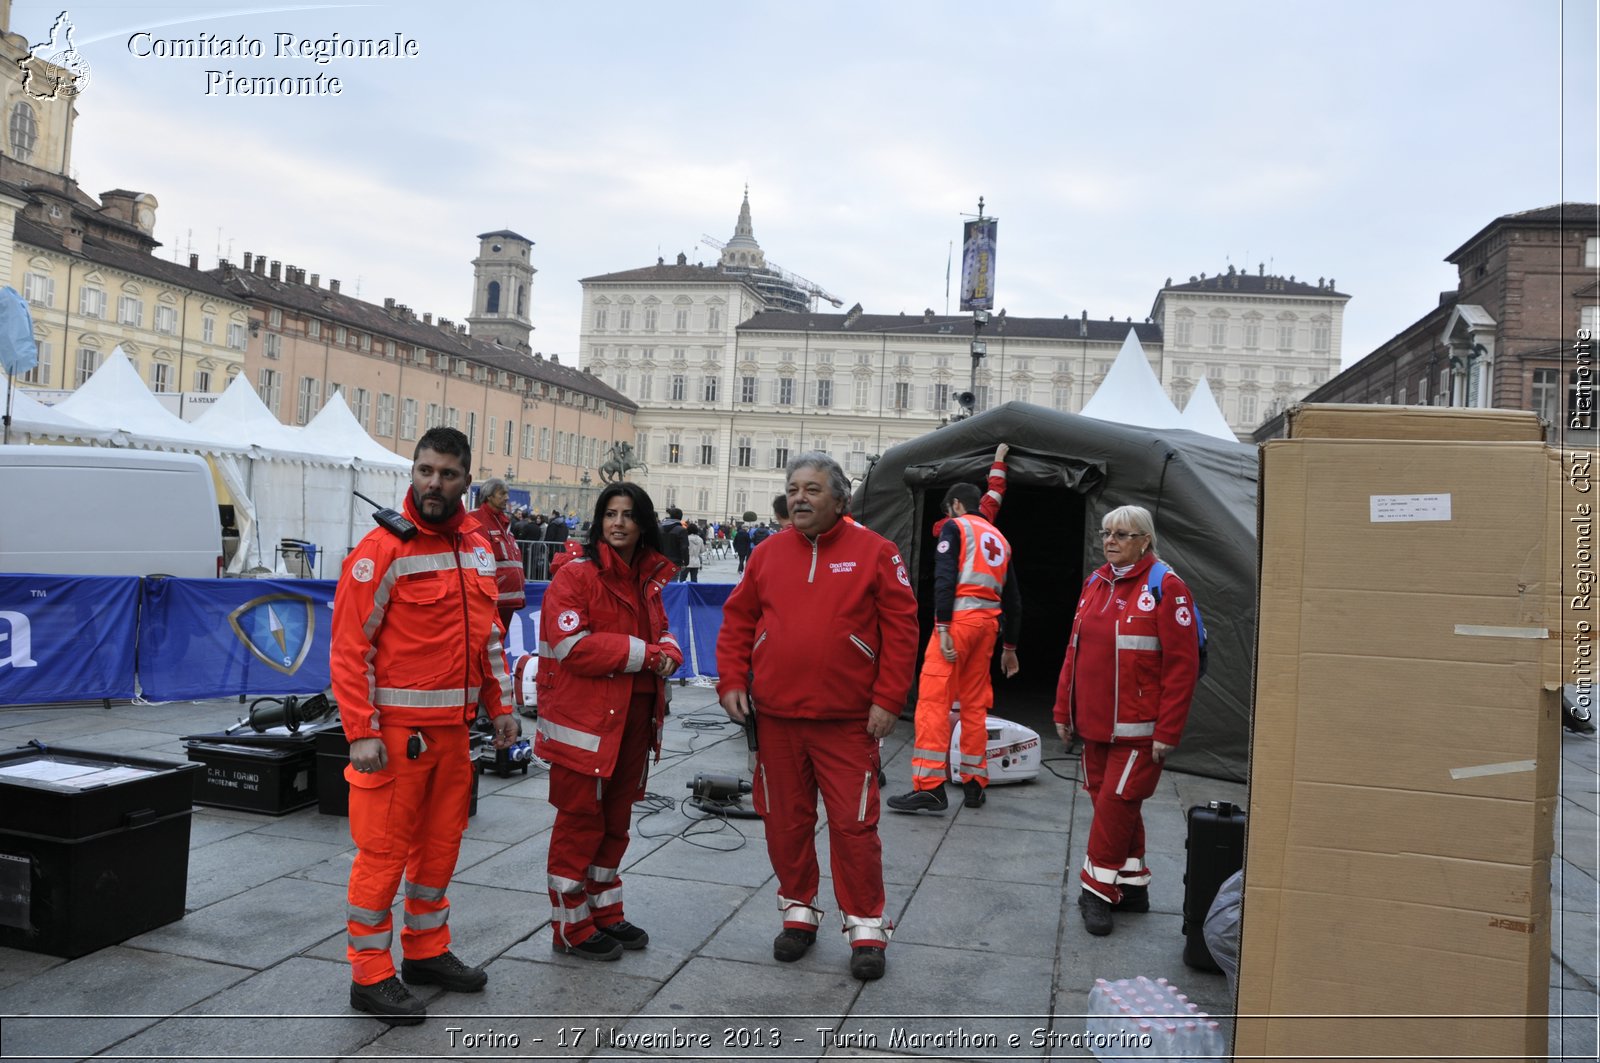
1137	1018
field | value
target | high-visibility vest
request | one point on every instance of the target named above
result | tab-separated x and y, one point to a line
985	557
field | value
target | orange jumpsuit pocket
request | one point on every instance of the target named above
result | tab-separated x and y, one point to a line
371	797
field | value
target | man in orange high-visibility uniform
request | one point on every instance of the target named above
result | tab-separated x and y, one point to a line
971	567
417	644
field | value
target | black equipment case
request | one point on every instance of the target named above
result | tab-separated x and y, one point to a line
1215	850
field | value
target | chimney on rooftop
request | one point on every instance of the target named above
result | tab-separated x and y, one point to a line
427	319
247	262
194	260
261	266
315	277
333	286
1083	324
388	305
277	268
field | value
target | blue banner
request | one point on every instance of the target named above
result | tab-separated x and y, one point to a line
211	638
67	638
705	622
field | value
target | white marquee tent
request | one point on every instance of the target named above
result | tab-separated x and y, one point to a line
286	483
1130	394
1201	414
34	422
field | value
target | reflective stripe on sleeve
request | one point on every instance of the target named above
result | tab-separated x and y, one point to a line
1138	642
635	654
564	647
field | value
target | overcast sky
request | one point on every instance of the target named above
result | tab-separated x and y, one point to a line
1118	143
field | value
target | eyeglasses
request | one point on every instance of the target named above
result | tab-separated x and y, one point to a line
1120	536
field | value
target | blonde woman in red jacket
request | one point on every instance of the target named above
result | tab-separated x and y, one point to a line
604	655
1125	687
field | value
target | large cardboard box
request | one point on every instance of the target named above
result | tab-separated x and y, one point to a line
1334	420
1404	747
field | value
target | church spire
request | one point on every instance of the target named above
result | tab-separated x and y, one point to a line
742	252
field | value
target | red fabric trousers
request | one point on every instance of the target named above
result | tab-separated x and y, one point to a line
1117	778
590	834
798	759
941	686
406	821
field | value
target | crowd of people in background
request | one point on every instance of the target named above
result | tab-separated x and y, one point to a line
688	544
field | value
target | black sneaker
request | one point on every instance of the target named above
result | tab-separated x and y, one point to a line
791	944
627	935
867	962
1134	899
445	970
975	793
1096	914
920	801
600	946
389	1001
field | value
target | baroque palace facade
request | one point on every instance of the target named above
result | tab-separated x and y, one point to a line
729	387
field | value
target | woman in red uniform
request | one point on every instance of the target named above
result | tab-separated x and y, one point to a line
1125	686
604	655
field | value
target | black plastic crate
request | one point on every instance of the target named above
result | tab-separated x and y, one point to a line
94	855
254	778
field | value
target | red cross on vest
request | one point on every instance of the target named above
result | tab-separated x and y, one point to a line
985	556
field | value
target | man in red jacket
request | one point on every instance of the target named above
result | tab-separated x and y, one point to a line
819	641
490	521
416	646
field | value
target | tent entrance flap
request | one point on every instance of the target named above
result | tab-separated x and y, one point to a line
1045	526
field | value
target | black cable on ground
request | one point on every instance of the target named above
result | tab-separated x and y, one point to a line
698	826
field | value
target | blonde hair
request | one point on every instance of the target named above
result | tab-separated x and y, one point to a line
1136	518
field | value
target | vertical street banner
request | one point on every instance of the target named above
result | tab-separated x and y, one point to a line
66	638
977	265
210	638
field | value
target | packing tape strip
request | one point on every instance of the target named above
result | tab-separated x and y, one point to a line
1510	767
1487	631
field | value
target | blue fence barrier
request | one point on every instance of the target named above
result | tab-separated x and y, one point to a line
67	638
73	638
209	638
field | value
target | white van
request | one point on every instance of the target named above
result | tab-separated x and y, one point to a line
100	511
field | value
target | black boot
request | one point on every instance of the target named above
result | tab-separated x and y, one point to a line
1096	914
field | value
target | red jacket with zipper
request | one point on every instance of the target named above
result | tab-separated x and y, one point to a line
1132	662
829	627
416	630
602	623
496	527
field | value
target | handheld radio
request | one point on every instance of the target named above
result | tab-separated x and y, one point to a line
390	520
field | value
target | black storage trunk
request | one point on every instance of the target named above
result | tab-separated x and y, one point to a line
86	863
255	778
333	789
1215	850
333	753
